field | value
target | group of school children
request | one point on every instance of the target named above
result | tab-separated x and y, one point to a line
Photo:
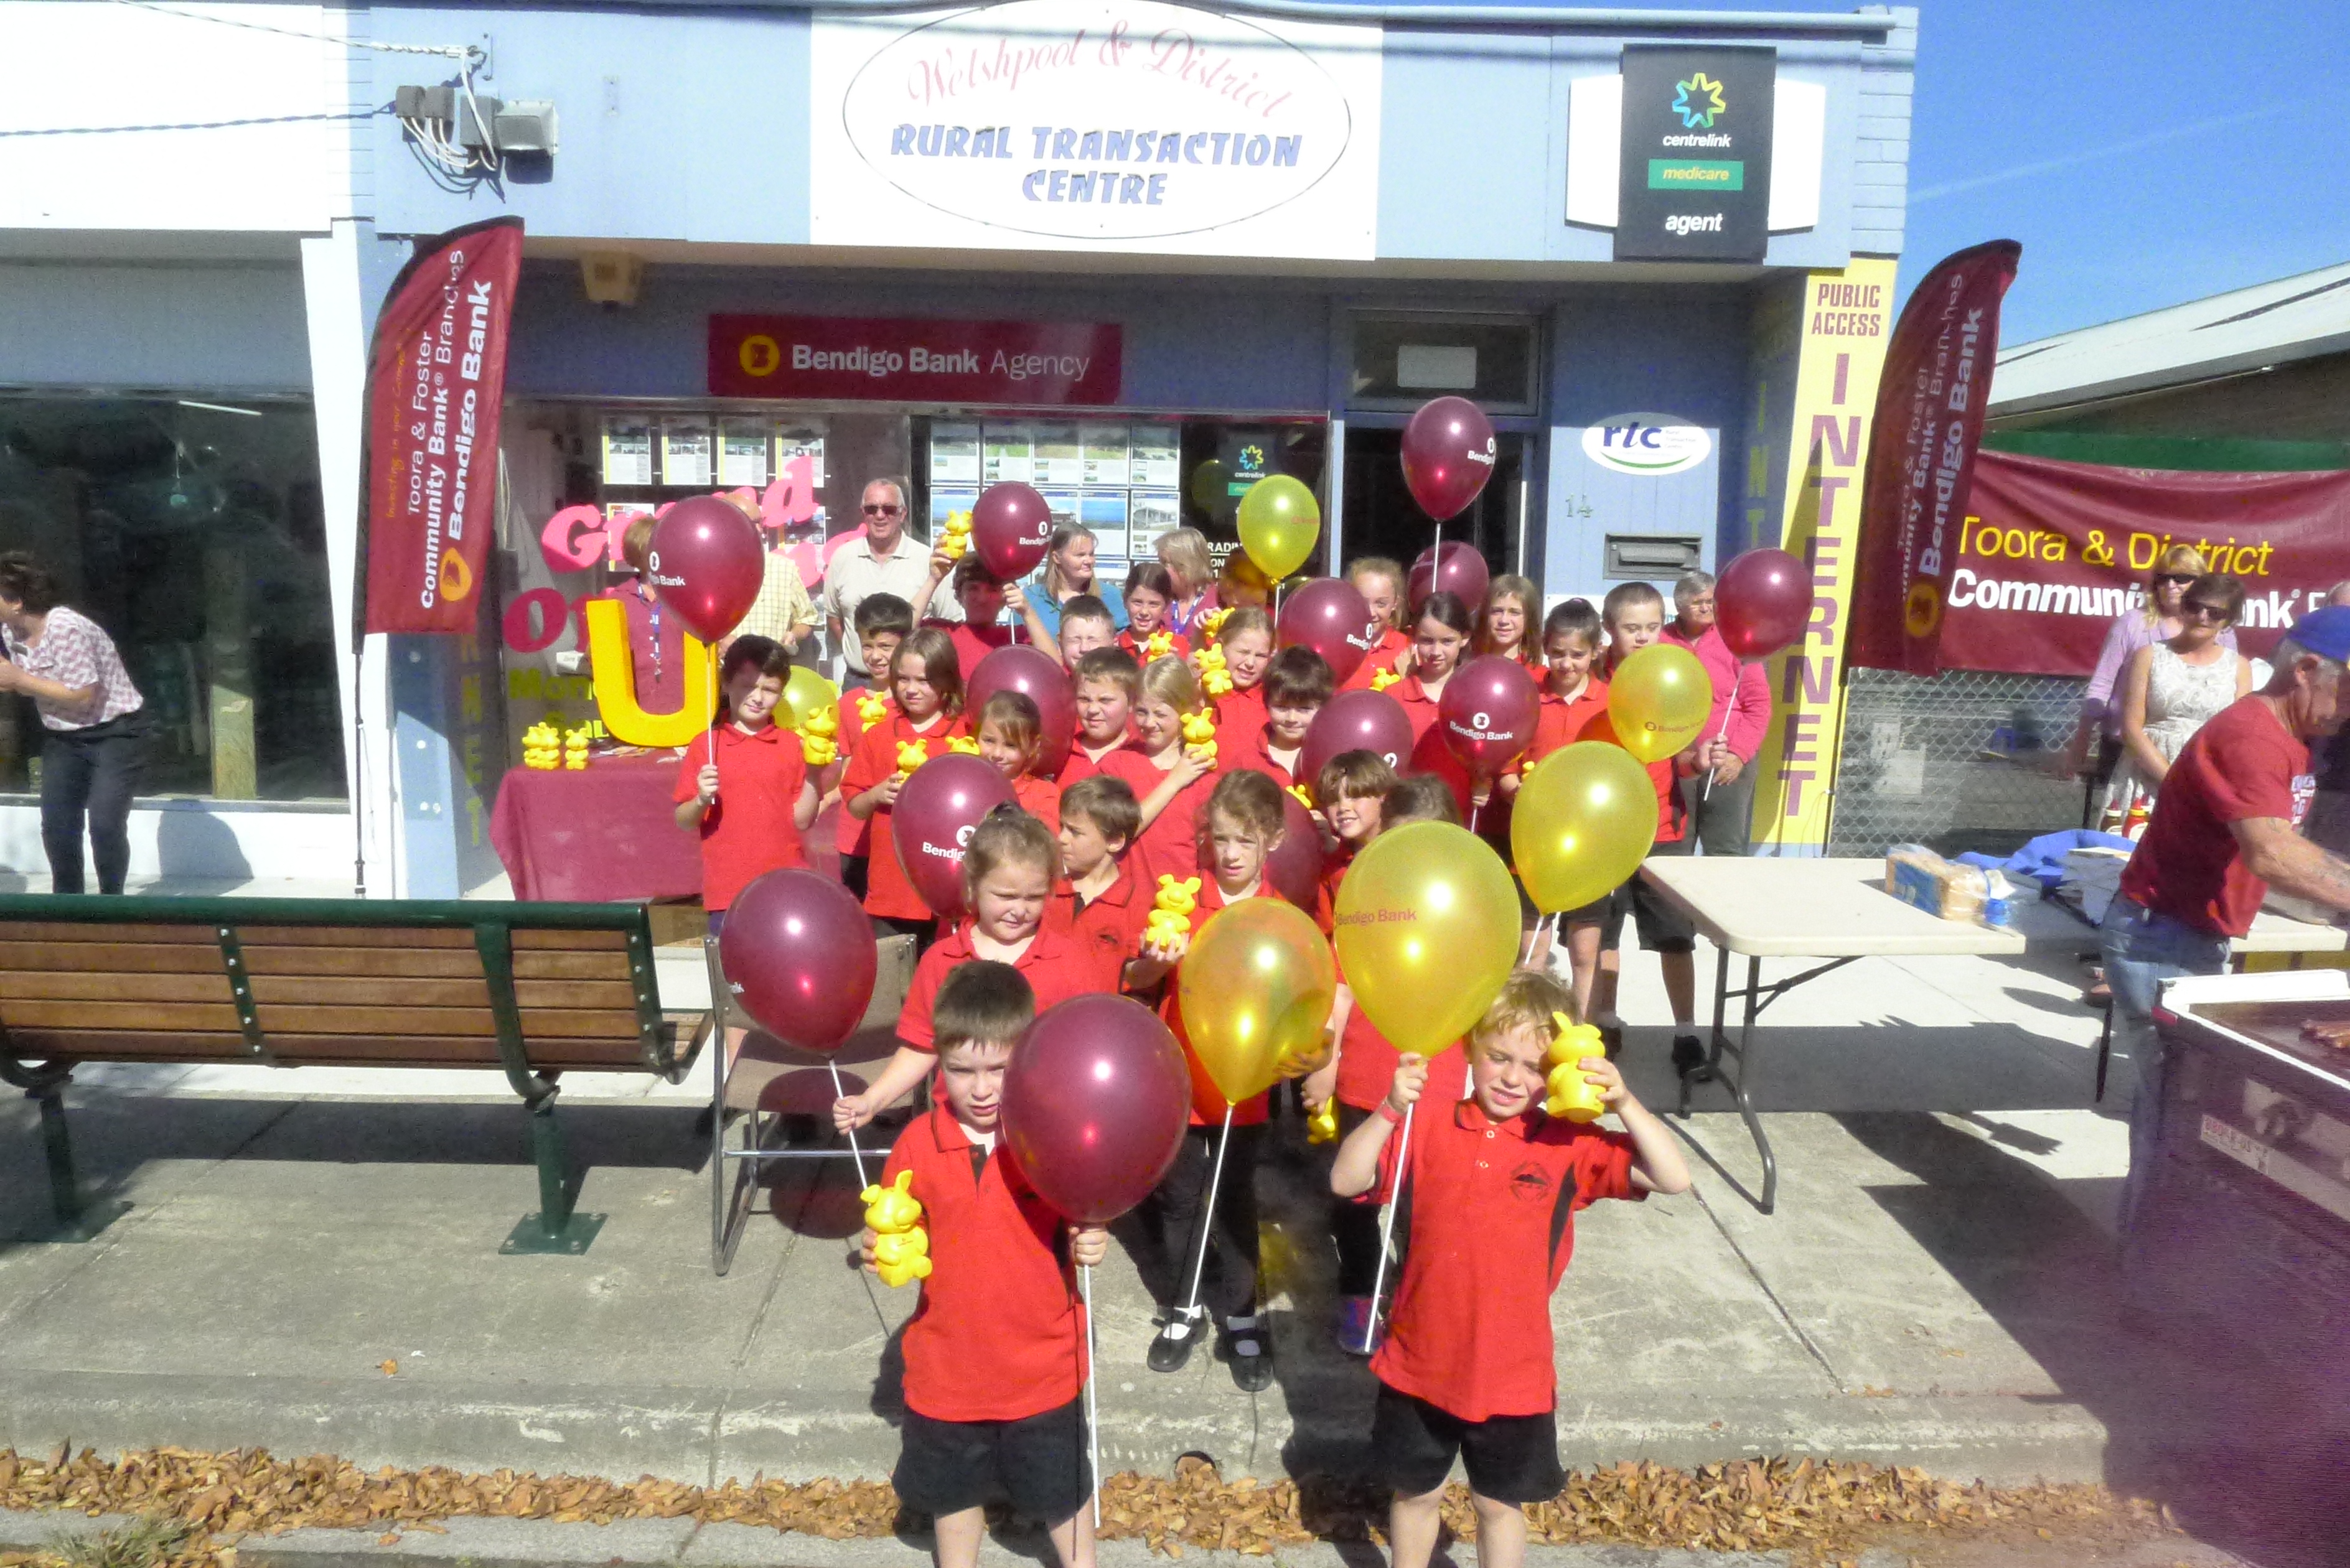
1059	888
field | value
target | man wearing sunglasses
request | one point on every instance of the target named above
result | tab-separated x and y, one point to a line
2226	827
881	560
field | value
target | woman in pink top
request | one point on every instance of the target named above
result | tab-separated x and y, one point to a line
1723	808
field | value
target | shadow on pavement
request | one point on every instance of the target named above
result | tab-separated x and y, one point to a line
2243	1453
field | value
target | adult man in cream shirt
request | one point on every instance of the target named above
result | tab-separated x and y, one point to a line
884	560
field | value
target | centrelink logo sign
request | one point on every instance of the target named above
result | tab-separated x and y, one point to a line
1696	171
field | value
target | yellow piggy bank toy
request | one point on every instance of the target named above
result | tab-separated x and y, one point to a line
894	1208
955	537
1158	645
1200	733
1572	1095
816	738
966	746
903	1257
1384	679
872	709
1215	676
1322	1125
1170	911
912	754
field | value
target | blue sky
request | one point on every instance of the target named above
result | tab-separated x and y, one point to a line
2144	151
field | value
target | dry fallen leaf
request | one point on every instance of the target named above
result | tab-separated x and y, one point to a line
391	1369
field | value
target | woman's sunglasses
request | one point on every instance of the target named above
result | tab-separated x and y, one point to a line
2204	611
2176	579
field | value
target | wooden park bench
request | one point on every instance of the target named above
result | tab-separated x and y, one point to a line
537	989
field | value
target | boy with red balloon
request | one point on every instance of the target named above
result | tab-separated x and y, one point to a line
1469	1368
996	1350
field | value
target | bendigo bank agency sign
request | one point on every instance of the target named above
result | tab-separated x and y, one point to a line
1131	125
1014	363
2048	554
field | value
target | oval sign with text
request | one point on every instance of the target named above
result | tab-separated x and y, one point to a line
1097	120
1651	445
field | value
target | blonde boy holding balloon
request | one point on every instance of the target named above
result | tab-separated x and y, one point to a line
995	1352
1242	828
1468	1368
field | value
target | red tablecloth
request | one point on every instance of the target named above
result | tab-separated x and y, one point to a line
606	831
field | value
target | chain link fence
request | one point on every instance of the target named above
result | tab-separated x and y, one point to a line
1958	761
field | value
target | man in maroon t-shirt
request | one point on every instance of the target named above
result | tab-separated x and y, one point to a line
2226	823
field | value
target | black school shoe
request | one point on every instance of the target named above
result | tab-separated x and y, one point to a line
1178	1332
1247	1344
1689	1054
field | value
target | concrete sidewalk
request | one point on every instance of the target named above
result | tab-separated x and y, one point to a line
1936	1289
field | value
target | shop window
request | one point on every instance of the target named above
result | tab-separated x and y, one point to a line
1402	360
191	530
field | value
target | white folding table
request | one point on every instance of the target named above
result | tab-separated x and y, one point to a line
1837	909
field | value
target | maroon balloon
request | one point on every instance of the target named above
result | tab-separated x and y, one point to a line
1448	455
1453	566
1011	527
1095	1105
1295	870
1762	601
799	958
1329	616
706	562
1031	673
932	822
1357	721
1487	713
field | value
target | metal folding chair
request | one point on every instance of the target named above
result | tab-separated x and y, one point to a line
771	1081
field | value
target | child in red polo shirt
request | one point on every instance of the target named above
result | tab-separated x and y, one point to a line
1468	1367
1245	639
1103	686
1087	623
1243	827
883	622
1172	776
1382	583
982	595
1573	696
1150	596
1011	733
995	1352
927	683
1297	682
1365	1065
1439	642
768	800
1635	614
1098	898
1008	870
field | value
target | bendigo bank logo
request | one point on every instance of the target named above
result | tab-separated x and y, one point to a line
1697	100
1923	611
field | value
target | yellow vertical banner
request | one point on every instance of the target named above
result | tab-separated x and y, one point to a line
1847	318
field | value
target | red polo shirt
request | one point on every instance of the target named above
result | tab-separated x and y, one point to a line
1207	1100
1040	798
1081	766
1492	1226
1133	645
2242	764
1377	662
748	830
1366	1065
851	837
1056	965
1240	710
1559	723
999	1333
1170	846
1112	919
889	892
1251	751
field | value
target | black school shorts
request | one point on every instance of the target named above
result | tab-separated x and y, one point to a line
1663	928
1039	1463
1510	1458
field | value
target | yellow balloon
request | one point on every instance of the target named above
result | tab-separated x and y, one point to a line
805	694
1280	520
1582	821
1658	699
1426	931
1256	991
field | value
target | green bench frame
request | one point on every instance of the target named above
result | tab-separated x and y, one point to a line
41	1059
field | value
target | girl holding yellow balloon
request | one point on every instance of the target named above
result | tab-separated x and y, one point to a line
1254	984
